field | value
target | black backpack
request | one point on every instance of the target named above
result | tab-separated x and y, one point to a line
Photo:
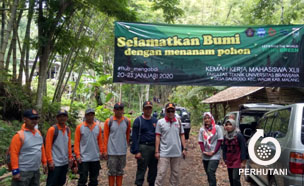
57	130
111	121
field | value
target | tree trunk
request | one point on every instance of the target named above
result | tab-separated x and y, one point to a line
46	46
16	26
141	96
77	83
2	24
60	79
7	33
120	87
33	68
61	91
27	57
26	42
147	92
14	79
70	73
8	56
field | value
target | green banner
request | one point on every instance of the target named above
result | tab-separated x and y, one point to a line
268	55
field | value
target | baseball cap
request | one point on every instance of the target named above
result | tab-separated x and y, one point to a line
90	110
62	112
147	104
118	105
170	105
31	113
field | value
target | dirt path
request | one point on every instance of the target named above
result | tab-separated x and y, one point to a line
192	172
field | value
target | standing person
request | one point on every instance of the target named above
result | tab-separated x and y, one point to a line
210	140
116	134
232	116
143	146
58	150
234	151
155	114
27	151
88	149
168	146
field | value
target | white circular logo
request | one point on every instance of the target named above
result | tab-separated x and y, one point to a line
263	151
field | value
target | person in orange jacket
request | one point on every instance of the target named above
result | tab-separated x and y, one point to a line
88	149
27	151
116	135
58	150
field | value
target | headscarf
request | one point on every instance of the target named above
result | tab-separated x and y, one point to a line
232	134
210	131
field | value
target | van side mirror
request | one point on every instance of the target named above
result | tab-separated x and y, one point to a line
248	132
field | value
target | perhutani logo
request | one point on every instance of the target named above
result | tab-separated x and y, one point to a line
267	153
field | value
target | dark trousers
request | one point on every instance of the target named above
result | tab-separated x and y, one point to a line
148	161
90	169
234	176
57	177
187	132
210	167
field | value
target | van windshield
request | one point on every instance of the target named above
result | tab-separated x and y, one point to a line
179	112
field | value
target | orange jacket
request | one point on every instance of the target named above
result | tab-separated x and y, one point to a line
78	138
16	145
107	130
49	143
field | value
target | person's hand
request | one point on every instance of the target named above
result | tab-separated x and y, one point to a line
79	160
243	164
105	155
75	170
100	156
138	156
70	163
51	166
184	154
208	153
16	177
45	169
223	164
157	155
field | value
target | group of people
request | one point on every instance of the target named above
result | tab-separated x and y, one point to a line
156	144
212	138
91	144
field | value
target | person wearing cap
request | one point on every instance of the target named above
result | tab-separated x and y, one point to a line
210	139
170	146
116	134
234	151
58	150
143	146
88	148
27	151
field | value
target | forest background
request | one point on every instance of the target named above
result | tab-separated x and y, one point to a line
59	54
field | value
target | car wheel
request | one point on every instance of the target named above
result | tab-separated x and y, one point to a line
248	179
272	181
